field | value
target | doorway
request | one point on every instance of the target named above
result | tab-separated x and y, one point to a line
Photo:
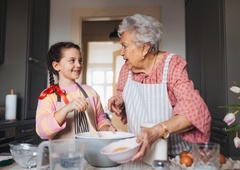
91	29
98	51
99	61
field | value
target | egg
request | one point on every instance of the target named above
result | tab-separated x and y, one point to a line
186	160
190	155
222	159
183	153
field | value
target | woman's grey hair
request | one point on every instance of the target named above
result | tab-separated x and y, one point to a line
146	29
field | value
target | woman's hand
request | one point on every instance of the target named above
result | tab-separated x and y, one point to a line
115	105
147	136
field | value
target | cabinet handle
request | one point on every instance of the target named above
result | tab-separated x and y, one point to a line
219	140
27	141
218	128
2	139
34	60
26	130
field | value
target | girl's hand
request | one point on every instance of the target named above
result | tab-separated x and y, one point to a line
111	128
79	104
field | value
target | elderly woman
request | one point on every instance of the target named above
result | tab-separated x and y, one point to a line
154	87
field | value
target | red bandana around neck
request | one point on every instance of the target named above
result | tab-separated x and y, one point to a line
53	89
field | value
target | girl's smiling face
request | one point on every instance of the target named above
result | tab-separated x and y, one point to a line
70	66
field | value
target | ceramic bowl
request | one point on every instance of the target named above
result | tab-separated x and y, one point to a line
94	144
121	151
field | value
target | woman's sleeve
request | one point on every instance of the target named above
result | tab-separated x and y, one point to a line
188	102
46	125
122	79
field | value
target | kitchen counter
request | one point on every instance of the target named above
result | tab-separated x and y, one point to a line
86	166
126	166
230	165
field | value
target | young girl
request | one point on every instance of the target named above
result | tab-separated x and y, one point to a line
61	107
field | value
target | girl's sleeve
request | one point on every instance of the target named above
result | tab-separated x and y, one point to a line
46	125
188	102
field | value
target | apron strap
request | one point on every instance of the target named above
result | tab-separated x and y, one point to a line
82	90
130	74
58	98
165	69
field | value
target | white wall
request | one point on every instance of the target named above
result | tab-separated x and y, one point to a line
173	19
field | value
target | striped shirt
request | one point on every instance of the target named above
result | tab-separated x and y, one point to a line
47	126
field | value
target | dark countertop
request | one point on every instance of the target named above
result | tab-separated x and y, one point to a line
9	123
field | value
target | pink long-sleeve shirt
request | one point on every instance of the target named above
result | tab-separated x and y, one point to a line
184	99
46	124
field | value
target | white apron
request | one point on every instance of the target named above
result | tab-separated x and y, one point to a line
150	103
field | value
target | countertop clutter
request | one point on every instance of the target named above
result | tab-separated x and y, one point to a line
6	159
229	165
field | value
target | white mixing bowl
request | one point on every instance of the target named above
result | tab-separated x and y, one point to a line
94	144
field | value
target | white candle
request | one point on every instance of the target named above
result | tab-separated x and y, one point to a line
11	106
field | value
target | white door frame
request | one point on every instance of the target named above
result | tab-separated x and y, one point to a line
114	13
